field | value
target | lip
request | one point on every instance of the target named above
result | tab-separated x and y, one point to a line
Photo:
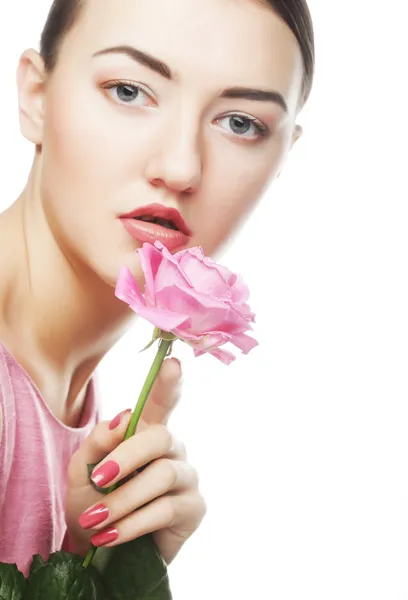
162	212
143	231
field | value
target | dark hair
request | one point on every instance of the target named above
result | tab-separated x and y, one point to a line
64	13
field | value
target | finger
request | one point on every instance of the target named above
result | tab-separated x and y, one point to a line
165	393
186	521
169	511
148	445
161	477
100	442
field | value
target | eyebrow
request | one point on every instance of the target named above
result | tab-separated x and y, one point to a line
164	70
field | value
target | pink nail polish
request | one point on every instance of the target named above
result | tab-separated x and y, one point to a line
93	516
105	473
116	421
105	537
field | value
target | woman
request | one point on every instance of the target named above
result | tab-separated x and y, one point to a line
181	113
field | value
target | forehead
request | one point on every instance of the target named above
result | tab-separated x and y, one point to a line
237	42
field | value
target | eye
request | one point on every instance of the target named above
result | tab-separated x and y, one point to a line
241	125
124	92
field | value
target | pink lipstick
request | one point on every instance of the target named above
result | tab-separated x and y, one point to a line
157	222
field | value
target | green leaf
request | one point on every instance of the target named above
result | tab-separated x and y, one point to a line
137	571
101	558
37	563
64	578
160	592
148	346
12	582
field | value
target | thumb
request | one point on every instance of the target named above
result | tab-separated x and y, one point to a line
165	393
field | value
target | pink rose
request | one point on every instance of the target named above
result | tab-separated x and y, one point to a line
191	296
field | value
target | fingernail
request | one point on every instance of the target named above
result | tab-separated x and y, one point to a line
116	421
104	474
179	363
104	537
93	516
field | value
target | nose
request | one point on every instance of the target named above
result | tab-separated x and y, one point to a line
175	163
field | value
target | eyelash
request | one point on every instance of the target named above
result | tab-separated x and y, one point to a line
263	130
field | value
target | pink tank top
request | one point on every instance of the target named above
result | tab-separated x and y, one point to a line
35	449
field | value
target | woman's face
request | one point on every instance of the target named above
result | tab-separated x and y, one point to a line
117	134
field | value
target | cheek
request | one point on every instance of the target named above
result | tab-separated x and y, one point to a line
70	184
78	145
84	170
238	183
85	180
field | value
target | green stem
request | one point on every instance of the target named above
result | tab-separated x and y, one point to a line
144	394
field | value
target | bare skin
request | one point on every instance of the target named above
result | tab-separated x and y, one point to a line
99	155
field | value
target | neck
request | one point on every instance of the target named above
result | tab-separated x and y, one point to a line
52	306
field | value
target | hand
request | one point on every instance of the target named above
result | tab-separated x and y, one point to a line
162	499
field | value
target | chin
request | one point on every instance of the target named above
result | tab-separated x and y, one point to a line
132	261
106	268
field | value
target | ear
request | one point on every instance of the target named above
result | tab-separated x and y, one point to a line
297	134
31	87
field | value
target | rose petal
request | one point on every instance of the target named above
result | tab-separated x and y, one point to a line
169	274
210	341
206	279
186	335
240	291
166	320
150	259
127	288
229	277
175	258
196	251
244	342
206	314
223	355
244	311
193	297
235	323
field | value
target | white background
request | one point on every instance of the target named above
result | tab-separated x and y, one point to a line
302	446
